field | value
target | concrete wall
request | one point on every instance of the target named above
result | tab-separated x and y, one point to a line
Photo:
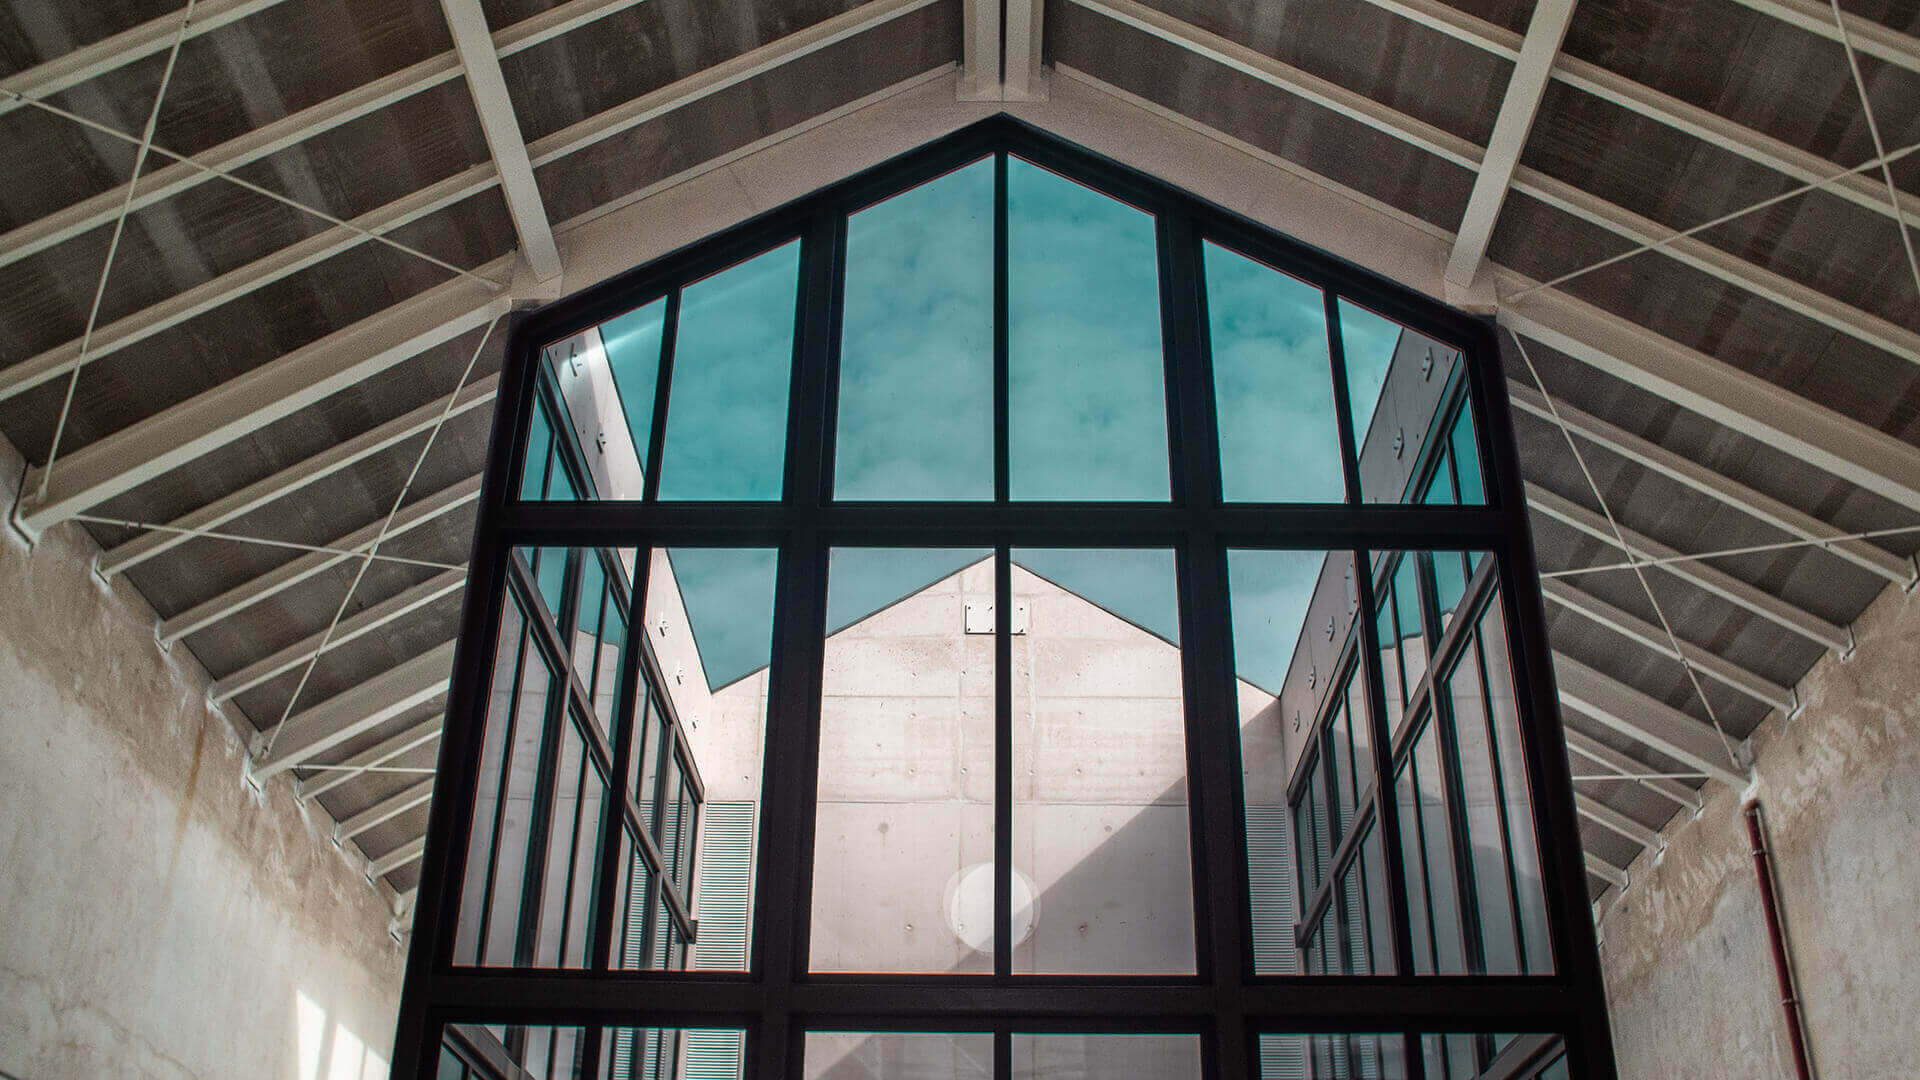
1685	950
157	917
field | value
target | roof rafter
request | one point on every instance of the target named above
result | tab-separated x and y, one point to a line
1585	745
480	60
385	810
424	734
1525	89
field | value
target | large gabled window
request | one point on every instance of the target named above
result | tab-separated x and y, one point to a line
1000	617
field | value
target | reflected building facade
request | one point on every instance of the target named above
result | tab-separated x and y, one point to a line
999	618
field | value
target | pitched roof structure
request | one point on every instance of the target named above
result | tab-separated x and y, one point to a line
255	255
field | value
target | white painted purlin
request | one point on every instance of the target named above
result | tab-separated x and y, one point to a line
287	575
488	88
421	736
360	709
1614	821
1646	720
1525	89
1623	765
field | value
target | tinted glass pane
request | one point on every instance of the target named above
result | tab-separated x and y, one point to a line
1273	388
1369	342
604	380
1466	459
733	359
1099	764
1098	1057
916	346
1400	387
903	874
1087	400
849	1055
1281	603
632	346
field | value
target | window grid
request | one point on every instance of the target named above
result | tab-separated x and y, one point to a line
1224	1004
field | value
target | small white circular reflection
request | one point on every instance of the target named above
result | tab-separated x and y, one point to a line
970	906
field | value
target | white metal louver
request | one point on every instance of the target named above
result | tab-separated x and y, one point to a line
1270	884
723	904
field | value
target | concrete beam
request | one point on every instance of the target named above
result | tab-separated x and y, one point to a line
1825	439
1731	493
293	572
1646	720
501	128
1647	635
385	810
130	457
388	695
1612	760
292	478
358	625
403	855
1525	88
115	52
1718	582
424	734
1614	821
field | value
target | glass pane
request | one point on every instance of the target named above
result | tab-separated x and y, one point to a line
903	874
1087	401
1290	615
697	765
1516	798
849	1055
1100	1057
604	379
1099	765
1466	459
1333	1057
733	360
1273	384
1400	384
667	1053
916	344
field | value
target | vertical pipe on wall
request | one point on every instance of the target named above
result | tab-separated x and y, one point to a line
1777	939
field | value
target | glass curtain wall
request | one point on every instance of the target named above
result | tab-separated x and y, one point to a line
999	617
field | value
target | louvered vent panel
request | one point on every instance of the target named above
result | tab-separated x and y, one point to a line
1283	1057
722	902
1270	882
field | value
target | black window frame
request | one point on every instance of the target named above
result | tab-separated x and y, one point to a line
1225	1003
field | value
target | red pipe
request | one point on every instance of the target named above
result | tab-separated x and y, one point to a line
1783	972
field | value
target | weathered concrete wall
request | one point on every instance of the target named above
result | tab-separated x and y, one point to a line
1685	950
157	917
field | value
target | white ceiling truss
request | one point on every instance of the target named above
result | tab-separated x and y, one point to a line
997	67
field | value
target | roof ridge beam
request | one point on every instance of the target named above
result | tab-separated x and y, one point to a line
117	51
1718	582
340	455
1729	492
1825	439
361	623
474	44
422	734
355	711
1526	87
125	459
293	572
1646	720
291	130
1638	630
